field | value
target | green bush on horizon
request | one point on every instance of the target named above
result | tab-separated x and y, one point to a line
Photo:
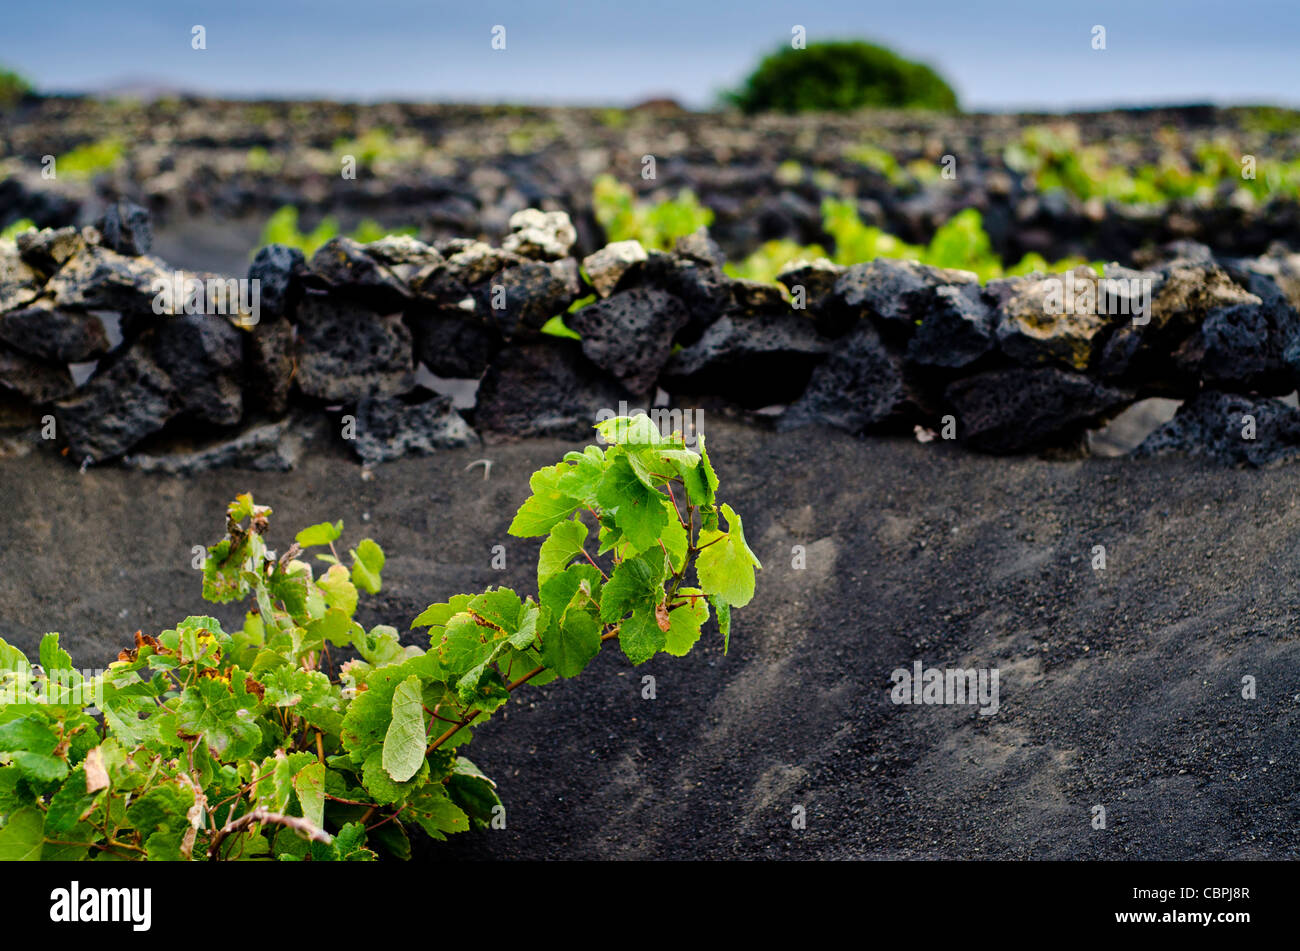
12	88
838	76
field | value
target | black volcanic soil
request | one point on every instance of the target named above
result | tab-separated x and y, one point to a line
1119	687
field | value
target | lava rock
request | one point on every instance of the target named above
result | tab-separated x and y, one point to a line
531	292
545	235
754	361
420	423
1249	347
472	262
817	278
1213	424
608	266
452	343
122	404
699	246
1060	319
268	365
752	298
543	388
19	284
48	249
346	352
343	266
126	228
957	330
894	293
278	269
50	333
265	447
403	255
704	289
36	381
1143	355
1017	410
96	278
858	386
630	335
203	357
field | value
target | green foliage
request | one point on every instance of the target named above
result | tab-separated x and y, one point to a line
282	228
657	226
93	158
961	242
12	88
878	159
17	228
378	145
771	258
838	76
251	745
1056	159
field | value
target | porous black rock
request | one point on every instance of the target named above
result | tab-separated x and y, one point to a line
268	364
342	265
703	288
126	228
630	335
1247	347
527	294
419	423
52	333
346	352
453	343
1230	429
202	355
753	361
47	249
894	293
96	278
1019	409
131	398
36	381
956	331
859	385
543	388
278	269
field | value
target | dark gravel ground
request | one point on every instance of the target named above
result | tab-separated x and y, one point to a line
1119	687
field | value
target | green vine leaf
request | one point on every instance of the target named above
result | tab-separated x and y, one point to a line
725	564
404	743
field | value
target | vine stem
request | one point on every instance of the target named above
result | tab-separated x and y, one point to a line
459	725
259	815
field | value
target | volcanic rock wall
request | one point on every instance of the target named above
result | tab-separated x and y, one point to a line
110	354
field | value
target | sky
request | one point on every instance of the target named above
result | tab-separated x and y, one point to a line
998	56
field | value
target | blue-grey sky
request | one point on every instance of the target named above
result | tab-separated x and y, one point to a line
1002	55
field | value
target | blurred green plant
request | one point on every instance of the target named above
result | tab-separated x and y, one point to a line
771	258
1056	159
379	145
12	88
961	242
261	161
874	157
282	228
657	226
94	158
839	76
17	228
